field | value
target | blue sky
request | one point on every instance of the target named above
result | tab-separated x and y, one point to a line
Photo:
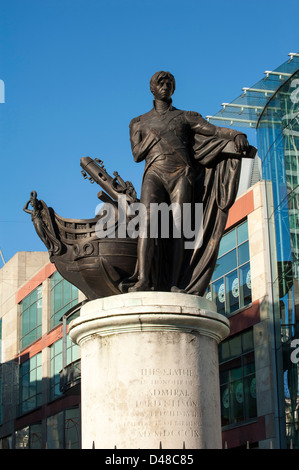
77	71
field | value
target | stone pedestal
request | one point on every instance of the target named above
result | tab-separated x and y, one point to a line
149	371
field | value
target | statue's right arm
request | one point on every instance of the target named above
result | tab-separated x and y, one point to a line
141	141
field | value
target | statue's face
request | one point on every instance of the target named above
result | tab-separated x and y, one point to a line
163	89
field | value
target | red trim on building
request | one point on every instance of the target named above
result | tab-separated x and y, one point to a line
240	209
35	281
248	433
47	410
44	342
245	319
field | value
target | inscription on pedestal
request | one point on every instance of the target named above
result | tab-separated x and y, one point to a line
168	406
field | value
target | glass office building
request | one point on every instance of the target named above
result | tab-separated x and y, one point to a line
272	108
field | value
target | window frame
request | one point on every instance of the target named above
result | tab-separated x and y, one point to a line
37	328
223	279
61	421
25	436
56	357
231	381
37	396
57	281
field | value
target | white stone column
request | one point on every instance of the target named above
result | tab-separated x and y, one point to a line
149	371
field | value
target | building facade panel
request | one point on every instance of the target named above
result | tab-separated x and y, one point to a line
27	405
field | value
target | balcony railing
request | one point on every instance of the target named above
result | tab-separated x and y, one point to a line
70	377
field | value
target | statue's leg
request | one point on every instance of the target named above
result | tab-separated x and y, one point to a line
152	191
181	194
145	253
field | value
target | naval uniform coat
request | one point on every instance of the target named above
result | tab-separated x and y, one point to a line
174	132
187	136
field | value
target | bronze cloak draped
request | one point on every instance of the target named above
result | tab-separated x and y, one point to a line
216	181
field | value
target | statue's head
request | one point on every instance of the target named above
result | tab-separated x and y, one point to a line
162	85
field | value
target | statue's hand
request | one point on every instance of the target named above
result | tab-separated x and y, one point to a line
241	143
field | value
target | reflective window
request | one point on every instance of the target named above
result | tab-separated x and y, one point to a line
58	356
56	367
63	296
64	430
72	351
237	379
72	430
31	384
31	317
230	288
29	437
6	442
55	431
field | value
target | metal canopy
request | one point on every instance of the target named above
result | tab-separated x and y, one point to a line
245	110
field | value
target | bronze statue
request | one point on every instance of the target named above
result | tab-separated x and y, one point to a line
184	163
188	161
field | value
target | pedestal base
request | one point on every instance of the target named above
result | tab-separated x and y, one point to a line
149	371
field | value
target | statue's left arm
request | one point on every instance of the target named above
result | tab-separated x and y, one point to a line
199	125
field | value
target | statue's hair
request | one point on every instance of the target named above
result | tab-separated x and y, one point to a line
158	75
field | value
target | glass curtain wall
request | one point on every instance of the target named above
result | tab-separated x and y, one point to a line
237	379
31	317
29	437
30	384
278	142
63	296
64	430
230	287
